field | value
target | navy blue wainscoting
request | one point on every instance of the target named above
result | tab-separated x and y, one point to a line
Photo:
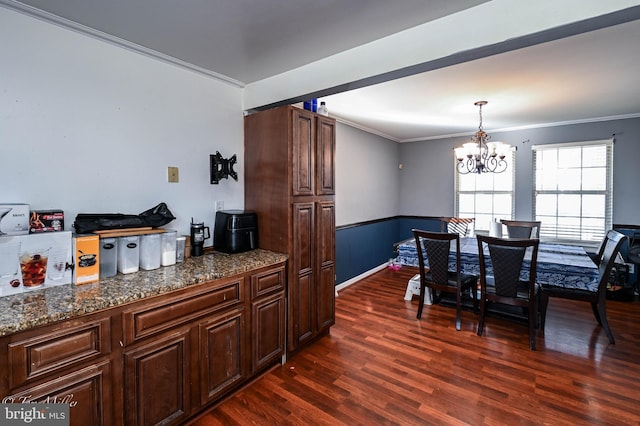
363	246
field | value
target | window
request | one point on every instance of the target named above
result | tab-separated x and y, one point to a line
486	196
573	190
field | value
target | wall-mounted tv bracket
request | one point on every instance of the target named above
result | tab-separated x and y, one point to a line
222	168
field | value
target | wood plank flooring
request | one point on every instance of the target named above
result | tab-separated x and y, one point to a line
382	366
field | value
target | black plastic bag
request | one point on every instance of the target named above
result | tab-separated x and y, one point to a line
157	216
86	223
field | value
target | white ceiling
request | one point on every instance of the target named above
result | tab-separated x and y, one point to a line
248	40
587	77
590	76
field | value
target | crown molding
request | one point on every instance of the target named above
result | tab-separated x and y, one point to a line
365	128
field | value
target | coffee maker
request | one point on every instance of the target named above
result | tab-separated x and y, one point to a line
199	233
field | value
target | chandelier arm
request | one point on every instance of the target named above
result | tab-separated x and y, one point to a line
466	166
495	165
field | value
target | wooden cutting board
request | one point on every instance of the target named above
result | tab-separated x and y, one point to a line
112	233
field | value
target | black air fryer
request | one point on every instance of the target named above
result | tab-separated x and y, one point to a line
235	231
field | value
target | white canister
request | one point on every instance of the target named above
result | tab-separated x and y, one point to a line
108	257
128	254
180	248
150	251
495	229
168	242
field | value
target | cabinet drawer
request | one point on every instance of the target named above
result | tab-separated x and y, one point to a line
87	391
164	314
267	282
36	356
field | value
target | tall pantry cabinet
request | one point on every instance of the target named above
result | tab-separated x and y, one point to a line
290	184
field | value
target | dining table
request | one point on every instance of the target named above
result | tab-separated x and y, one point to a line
561	265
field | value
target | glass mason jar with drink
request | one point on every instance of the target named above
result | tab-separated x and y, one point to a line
33	265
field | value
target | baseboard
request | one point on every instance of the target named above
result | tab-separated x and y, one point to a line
359	277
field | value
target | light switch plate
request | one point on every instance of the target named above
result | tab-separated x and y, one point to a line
172	174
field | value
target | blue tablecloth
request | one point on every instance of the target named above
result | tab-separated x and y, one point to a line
559	265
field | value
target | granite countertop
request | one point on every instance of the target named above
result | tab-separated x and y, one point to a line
34	308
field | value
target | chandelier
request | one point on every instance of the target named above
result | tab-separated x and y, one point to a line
480	155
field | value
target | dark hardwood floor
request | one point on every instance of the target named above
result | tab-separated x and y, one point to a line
381	366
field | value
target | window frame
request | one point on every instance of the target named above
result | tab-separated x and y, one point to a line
480	225
555	234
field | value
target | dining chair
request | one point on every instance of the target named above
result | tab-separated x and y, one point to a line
433	250
522	228
502	262
597	255
596	295
460	225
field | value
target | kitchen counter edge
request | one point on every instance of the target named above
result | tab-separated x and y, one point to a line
34	308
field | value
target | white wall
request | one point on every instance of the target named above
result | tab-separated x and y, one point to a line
89	127
367	176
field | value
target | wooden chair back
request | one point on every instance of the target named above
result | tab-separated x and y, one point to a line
522	228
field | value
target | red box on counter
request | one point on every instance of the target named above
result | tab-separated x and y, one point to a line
46	221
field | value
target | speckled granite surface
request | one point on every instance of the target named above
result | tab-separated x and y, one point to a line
39	307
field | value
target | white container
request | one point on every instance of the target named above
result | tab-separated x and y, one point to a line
168	248
180	247
322	109
128	254
150	251
495	229
108	257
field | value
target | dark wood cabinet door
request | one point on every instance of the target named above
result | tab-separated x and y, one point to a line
157	380
325	291
303	152
326	298
222	354
325	156
87	391
268	325
302	279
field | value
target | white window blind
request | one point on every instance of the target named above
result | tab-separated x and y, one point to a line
486	196
573	190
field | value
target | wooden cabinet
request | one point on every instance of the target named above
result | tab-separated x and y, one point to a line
87	391
159	360
70	362
326	247
268	315
290	183
157	380
223	354
183	345
185	351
